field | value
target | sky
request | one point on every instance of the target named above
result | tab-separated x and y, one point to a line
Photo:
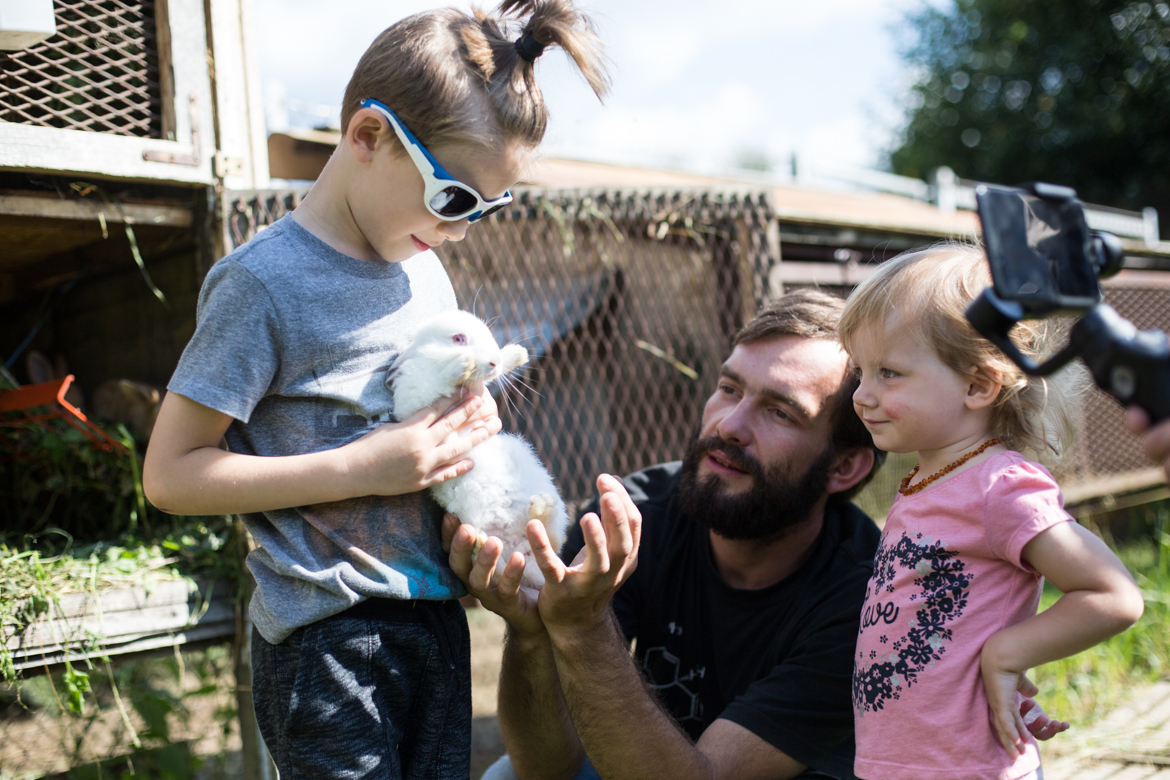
696	85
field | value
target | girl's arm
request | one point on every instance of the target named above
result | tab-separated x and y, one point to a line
187	473
1100	599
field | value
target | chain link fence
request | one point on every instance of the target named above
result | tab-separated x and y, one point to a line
627	302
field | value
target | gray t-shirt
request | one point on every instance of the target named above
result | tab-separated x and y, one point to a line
294	339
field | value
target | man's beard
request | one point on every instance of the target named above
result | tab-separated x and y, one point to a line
776	502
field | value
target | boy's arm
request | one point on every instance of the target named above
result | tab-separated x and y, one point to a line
1100	599
187	473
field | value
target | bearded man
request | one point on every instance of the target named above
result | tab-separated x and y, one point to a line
745	601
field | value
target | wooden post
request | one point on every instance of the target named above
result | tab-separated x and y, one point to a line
257	762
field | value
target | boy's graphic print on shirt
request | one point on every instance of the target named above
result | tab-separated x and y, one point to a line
916	641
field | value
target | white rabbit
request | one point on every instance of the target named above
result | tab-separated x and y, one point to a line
509	485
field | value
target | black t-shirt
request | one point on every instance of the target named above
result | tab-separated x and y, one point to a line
777	661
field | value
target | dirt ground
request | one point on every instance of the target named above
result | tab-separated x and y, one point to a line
487	644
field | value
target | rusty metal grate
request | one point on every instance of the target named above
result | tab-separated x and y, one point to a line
99	73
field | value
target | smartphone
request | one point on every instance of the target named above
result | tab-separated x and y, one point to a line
1039	248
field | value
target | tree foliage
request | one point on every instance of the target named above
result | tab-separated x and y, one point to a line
1069	91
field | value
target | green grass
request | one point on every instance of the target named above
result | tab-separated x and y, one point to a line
1085	687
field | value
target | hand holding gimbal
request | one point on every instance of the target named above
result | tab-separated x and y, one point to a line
1045	261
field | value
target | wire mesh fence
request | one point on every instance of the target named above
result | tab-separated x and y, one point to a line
100	72
627	302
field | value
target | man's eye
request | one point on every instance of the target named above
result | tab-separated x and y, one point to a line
780	413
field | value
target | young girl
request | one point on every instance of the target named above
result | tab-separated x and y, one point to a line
949	625
360	655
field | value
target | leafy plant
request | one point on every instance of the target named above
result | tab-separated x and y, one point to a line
1086	686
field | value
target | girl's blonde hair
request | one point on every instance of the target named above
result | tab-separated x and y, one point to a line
929	290
459	79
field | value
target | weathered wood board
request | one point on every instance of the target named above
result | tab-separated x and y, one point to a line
126	620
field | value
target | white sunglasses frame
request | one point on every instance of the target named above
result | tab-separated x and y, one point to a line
436	179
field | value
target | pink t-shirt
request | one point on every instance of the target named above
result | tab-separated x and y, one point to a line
947	575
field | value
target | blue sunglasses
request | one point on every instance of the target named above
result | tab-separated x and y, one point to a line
445	196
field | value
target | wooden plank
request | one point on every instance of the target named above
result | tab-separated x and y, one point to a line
118	626
1128	757
793	272
130	620
242	140
1112	485
54	150
200	633
161	594
94	210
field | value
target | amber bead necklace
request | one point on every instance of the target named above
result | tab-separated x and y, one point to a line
905	488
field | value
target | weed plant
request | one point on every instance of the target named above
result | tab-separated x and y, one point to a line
1086	686
74	519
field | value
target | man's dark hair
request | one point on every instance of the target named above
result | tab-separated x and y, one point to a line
813	314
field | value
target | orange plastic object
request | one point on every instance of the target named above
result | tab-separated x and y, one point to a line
16	409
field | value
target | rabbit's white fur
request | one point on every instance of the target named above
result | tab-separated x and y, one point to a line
509	485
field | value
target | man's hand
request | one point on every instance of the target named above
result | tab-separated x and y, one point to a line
421	451
507	598
578	595
1156	441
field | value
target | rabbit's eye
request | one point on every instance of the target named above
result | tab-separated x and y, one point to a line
459	339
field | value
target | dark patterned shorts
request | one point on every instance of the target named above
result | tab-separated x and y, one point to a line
381	691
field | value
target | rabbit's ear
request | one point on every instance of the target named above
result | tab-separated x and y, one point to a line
512	357
39	368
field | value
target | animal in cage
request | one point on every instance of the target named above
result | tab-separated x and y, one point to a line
509	485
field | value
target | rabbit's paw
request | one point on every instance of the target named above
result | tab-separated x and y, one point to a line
480	540
540	507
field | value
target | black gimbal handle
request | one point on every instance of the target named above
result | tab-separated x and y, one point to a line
1132	366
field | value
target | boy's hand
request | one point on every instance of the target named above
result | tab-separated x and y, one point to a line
412	455
507	598
1156	441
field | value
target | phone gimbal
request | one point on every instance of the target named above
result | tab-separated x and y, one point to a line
1131	365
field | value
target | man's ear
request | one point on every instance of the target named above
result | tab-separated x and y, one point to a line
983	387
849	468
366	131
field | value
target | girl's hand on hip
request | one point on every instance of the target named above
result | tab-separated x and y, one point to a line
1001	686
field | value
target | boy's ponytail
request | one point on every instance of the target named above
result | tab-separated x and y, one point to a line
507	60
458	79
557	22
